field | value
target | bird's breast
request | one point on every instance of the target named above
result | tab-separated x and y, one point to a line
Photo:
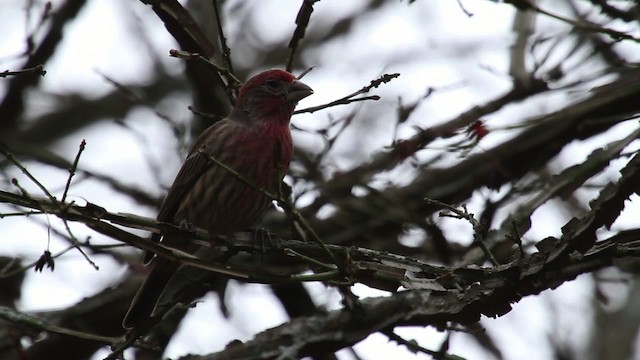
223	203
267	152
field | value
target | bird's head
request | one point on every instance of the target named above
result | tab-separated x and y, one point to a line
270	93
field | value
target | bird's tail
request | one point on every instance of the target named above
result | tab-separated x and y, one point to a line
145	301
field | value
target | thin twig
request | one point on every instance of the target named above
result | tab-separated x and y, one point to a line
76	243
582	25
24	170
350	98
226	52
302	20
38	69
477	227
413	346
517	238
186	55
58	204
308	259
32	264
30	321
305	72
72	170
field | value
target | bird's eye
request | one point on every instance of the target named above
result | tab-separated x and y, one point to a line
273	84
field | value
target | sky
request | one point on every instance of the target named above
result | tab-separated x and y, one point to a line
433	44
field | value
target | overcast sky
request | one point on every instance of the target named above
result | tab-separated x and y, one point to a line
432	44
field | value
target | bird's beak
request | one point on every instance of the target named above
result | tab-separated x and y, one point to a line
297	91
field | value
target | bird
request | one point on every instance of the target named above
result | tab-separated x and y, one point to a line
255	141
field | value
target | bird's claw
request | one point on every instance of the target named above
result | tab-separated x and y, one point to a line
263	238
186	225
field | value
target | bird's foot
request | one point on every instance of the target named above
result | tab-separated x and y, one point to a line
262	238
186	225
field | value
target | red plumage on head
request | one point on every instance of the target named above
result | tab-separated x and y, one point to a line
270	95
264	77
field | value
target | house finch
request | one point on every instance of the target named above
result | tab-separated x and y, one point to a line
255	141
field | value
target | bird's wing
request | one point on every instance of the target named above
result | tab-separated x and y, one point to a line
194	166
